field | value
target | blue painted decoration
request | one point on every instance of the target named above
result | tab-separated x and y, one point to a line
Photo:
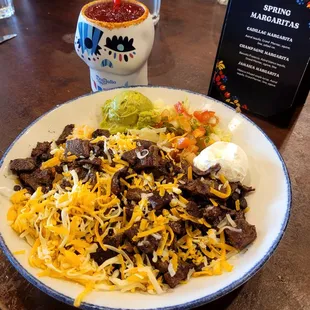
89	39
107	63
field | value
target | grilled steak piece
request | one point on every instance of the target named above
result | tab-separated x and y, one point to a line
101	132
116	186
78	147
213	215
240	240
178	227
152	160
100	256
193	210
131	156
134	194
160	265
43	178
145	144
41	152
148	245
65	133
181	274
199	173
157	202
132	231
22	165
94	162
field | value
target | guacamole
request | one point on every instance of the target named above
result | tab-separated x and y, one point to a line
128	109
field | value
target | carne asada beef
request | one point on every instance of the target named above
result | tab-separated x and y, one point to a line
213	215
128	210
134	194
243	203
128	247
178	227
42	152
131	156
160	265
181	274
199	173
94	162
245	189
192	265
116	187
132	231
100	256
199	187
66	132
81	172
101	132
157	202
78	147
193	210
145	144
151	163
37	178
240	240
152	160
22	165
65	183
148	244
97	148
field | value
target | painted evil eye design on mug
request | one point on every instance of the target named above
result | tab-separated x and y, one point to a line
120	47
89	39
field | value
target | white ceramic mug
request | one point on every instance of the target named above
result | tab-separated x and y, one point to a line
116	53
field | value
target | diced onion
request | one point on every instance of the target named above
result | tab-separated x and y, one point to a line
142	154
222	223
157	236
171	270
230	228
146	195
230	220
155	257
190	272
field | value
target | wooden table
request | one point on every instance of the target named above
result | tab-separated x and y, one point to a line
39	69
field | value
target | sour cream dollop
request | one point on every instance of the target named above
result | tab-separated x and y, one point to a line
231	157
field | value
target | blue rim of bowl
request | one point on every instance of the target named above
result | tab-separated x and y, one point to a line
188	305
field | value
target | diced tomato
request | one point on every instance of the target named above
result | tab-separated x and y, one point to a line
183	142
192	139
199	132
179	107
203	116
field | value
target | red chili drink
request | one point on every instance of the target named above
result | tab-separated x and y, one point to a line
108	12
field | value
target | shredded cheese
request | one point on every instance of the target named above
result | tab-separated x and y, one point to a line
237	203
65	226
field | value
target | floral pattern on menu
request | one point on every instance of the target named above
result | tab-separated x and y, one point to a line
220	80
303	2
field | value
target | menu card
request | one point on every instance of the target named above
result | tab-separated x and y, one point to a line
263	55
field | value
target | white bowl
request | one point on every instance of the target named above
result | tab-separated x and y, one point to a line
270	204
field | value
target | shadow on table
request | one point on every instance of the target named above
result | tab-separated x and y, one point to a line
223	302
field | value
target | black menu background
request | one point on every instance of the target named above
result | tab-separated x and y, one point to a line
257	96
